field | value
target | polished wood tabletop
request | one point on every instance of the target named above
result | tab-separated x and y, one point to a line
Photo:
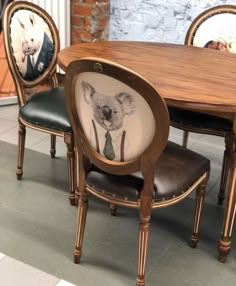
198	78
187	77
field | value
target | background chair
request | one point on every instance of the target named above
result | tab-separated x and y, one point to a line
31	42
214	29
121	161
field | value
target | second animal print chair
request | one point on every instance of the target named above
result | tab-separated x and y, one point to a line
31	42
215	29
121	127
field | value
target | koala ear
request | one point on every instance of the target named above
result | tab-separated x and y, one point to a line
88	91
32	19
127	101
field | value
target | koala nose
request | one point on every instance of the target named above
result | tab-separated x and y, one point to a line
106	112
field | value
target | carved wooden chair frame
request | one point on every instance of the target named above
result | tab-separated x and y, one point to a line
229	141
144	162
22	85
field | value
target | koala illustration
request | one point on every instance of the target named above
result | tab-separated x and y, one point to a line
37	47
108	113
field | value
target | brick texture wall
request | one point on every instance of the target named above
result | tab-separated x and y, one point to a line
142	20
155	20
89	20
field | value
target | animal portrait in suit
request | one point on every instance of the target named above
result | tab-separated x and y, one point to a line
107	134
37	48
218	45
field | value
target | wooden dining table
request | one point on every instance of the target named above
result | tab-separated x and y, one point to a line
188	77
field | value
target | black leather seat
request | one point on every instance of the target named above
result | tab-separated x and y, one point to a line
172	178
207	123
47	109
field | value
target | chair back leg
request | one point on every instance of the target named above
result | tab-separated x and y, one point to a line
69	140
21	150
144	226
185	139
53	146
113	209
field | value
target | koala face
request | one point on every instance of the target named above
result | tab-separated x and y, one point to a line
32	37
108	111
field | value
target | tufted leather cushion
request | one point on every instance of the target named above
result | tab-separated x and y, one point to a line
199	120
47	109
177	169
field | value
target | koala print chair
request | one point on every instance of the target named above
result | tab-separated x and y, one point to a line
212	29
149	172
31	42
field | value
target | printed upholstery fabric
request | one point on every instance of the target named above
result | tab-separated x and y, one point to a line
114	117
217	32
32	43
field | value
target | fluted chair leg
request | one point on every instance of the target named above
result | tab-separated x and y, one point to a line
225	167
69	140
21	150
185	138
144	226
200	194
53	146
81	220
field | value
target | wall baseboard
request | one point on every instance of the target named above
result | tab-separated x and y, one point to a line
8	100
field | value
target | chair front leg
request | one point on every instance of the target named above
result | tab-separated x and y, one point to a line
225	166
53	146
224	246
21	150
69	140
81	220
200	194
144	226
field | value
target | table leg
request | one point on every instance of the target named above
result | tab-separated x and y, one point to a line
230	208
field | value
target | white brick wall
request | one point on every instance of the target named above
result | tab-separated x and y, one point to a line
156	20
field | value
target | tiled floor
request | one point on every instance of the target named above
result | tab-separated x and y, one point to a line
13	272
37	225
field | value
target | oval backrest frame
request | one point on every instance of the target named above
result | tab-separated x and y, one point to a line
204	16
138	84
18	78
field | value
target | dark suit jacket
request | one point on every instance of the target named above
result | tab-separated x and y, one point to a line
43	61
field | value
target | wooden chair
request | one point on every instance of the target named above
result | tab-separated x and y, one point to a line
31	42
214	29
121	127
